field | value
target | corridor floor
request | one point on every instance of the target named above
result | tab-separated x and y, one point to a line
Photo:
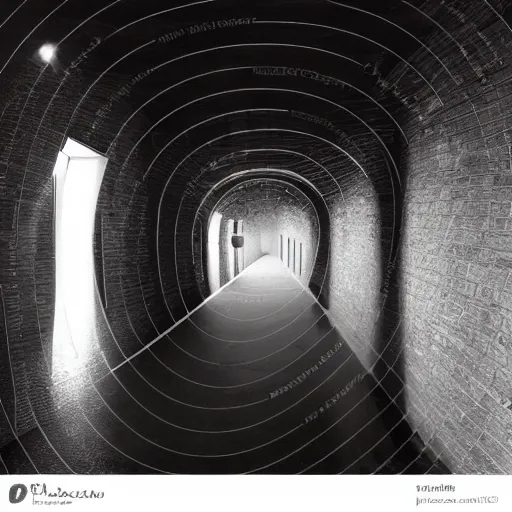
255	381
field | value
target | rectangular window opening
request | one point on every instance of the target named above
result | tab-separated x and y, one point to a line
213	261
77	178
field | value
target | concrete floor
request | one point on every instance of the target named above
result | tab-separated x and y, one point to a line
202	399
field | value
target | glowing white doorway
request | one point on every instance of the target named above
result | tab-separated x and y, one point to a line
78	174
230	249
213	261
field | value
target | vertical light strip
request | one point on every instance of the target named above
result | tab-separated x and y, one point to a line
294	247
242	250
300	261
78	175
230	249
214	252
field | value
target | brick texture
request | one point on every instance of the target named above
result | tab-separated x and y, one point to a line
413	267
457	243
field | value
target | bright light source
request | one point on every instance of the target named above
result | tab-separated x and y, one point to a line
47	52
213	252
74	149
78	182
231	250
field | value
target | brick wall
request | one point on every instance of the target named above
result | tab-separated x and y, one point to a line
352	288
451	286
30	140
457	243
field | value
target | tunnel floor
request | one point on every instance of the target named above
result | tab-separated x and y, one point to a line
257	380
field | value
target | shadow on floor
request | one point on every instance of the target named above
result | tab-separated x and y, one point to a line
256	381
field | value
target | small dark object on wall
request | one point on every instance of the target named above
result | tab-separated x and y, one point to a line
237	241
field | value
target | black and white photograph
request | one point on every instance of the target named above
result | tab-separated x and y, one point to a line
266	237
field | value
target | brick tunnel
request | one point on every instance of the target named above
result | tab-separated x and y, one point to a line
256	237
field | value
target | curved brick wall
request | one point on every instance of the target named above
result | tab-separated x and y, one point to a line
150	193
408	168
456	261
